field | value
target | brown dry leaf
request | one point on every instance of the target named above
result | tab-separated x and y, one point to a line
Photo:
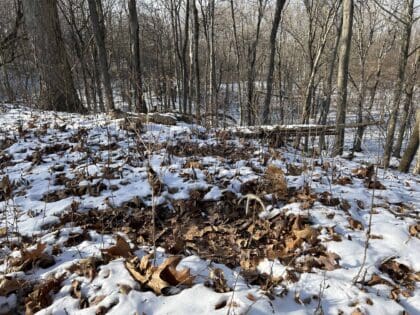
86	267
328	200
414	230
9	285
6	188
394	294
294	170
97	299
334	236
251	297
345	205
218	281
357	311
343	181
378	280
277	183
30	259
161	279
395	270
193	164
40	297
120	249
355	224
76	291
364	172
3	231
375	184
125	288
307	233
329	261
193	232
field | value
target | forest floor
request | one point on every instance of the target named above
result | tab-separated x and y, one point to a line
238	227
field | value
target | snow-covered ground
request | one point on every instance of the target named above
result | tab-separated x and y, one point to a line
72	186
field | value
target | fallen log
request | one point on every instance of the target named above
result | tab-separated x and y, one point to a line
291	131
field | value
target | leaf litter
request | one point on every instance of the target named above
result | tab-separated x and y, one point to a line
237	224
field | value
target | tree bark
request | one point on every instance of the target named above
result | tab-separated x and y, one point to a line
407	108
342	76
273	36
57	90
329	87
252	59
184	60
99	33
412	148
404	51
197	63
135	58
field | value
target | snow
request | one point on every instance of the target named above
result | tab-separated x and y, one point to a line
29	214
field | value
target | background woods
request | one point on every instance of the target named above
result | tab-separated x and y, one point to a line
222	62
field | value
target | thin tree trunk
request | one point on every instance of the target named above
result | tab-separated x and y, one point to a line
135	58
238	62
404	51
329	88
412	148
342	76
405	118
10	94
273	36
197	63
252	57
185	72
99	33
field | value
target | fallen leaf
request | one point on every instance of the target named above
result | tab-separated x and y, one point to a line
414	230
40	297
355	224
276	182
218	281
9	285
32	258
160	279
120	249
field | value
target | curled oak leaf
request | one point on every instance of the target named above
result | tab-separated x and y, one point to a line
329	261
41	297
164	279
9	285
120	249
32	258
375	280
414	230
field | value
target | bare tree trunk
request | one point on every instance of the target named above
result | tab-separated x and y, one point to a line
405	118
97	84
343	72
412	148
99	33
185	72
57	86
328	87
10	94
197	63
404	51
273	36
252	59
238	61
135	58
